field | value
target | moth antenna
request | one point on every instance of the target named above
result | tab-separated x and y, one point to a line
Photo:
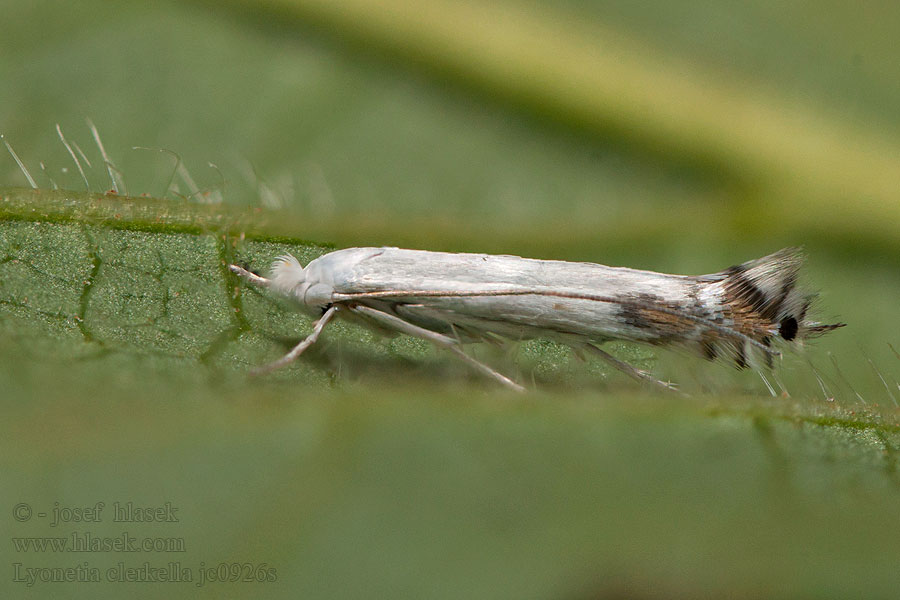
20	163
249	276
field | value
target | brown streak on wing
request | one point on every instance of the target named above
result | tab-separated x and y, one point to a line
667	328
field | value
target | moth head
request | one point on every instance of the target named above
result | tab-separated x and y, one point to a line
287	276
300	285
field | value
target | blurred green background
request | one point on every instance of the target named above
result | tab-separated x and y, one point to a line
674	136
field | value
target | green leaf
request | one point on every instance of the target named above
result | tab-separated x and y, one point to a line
125	346
384	468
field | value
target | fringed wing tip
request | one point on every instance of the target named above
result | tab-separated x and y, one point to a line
817	329
766	303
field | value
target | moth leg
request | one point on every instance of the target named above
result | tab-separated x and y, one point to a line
249	277
634	373
436	338
299	348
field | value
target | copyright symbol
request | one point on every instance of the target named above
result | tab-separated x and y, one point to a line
22	512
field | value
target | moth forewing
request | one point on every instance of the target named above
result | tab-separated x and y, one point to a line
531	298
472	297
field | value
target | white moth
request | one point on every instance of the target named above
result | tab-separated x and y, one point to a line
451	299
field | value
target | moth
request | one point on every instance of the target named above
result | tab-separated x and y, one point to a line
452	299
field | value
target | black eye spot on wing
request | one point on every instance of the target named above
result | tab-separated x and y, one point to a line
788	329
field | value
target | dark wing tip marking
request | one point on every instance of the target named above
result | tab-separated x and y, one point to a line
788	329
